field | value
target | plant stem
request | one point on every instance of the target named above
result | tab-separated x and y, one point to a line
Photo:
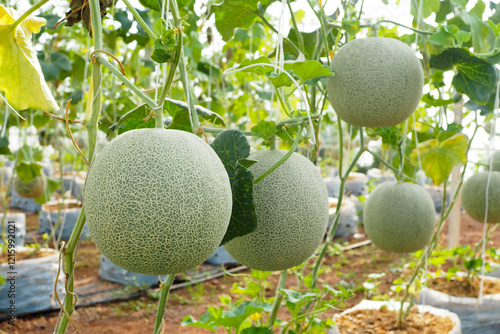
219	130
285	39
139	20
407	27
70	249
385	163
296	28
126	81
277	298
282	160
28	13
193	115
162	303
332	230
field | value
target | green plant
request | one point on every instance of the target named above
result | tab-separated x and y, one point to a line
378	82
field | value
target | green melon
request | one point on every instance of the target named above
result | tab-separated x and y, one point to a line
399	217
377	82
32	189
474	197
292	214
157	201
496	162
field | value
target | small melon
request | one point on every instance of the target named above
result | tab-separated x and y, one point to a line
474	197
157	201
32	189
496	162
292	214
378	82
399	217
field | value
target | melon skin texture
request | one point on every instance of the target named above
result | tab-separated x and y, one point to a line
474	197
399	217
292	214
496	162
32	189
378	82
157	201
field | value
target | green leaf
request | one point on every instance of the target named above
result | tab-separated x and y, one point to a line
256	330
438	158
232	14
252	289
21	76
234	318
52	185
58	62
427	98
27	172
134	119
484	109
155	4
232	148
4	146
203	113
428	7
263	69
265	130
165	45
206	321
475	77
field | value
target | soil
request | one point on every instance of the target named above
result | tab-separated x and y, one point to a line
463	287
26	254
384	321
350	268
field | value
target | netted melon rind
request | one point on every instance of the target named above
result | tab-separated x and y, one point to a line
399	217
292	214
378	82
474	197
157	201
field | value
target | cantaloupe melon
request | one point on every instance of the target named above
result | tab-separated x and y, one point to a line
157	201
292	214
377	82
399	217
474	197
32	189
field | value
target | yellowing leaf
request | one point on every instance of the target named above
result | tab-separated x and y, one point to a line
21	76
438	158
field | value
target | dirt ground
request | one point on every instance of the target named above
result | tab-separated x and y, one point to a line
351	268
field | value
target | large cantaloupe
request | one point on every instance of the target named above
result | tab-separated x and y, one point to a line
157	201
378	82
399	217
474	197
32	189
292	214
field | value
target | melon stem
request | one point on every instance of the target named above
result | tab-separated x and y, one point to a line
162	302
278	297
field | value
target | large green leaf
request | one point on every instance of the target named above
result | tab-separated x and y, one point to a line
312	40
134	119
232	148
303	70
21	76
203	113
475	77
428	7
27	172
234	318
438	158
58	62
232	14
